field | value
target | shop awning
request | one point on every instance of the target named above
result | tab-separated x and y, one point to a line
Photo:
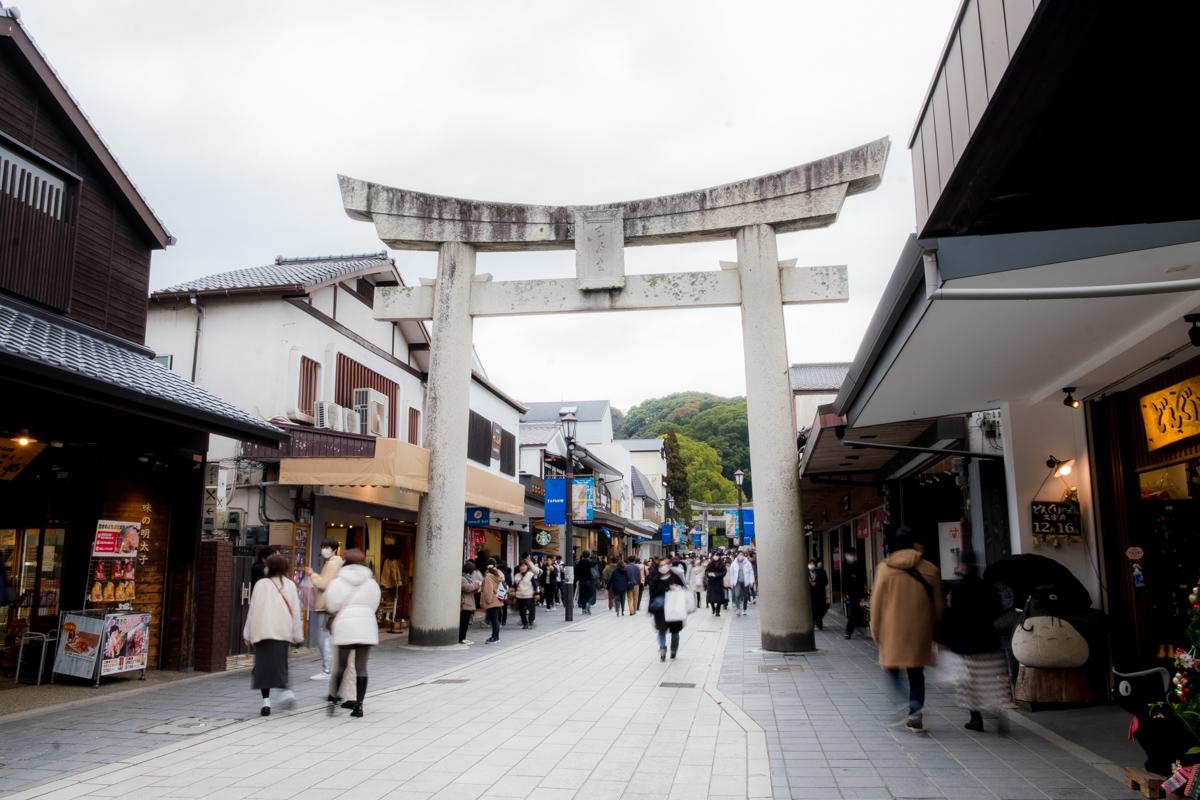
404	467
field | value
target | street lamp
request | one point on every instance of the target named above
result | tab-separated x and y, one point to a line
569	423
668	504
738	477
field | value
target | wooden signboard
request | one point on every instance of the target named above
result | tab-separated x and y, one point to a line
1172	414
1061	519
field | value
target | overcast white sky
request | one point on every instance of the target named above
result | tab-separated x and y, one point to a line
235	118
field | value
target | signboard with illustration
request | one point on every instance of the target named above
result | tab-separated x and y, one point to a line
126	642
583	499
78	645
116	539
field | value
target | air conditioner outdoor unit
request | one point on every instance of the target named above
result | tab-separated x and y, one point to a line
329	415
372	406
351	421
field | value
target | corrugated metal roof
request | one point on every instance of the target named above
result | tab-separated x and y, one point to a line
641	445
823	377
585	410
30	341
283	274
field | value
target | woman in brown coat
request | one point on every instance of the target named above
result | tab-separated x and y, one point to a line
491	601
467	608
906	603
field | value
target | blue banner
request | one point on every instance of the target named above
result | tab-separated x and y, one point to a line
696	541
748	524
666	533
478	517
556	501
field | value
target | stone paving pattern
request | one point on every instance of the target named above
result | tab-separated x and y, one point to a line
558	712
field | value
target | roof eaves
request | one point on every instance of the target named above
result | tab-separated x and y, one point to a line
12	29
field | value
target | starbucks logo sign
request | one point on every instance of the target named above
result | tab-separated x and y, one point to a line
542	538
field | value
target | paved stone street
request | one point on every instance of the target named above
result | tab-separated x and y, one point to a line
580	711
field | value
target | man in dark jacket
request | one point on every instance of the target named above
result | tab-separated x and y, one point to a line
585	577
854	586
634	576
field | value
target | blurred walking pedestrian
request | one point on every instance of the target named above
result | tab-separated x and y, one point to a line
741	579
666	578
634	576
469	587
714	584
906	603
695	579
273	624
618	588
549	582
353	598
494	596
586	574
854	585
818	580
982	683
320	624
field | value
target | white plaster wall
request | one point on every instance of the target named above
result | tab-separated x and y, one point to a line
357	316
806	407
531	461
1031	434
172	331
654	466
484	402
322	300
619	458
590	432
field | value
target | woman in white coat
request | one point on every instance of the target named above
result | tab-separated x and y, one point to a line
352	599
272	625
740	579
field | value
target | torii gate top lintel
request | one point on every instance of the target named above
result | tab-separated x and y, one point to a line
801	197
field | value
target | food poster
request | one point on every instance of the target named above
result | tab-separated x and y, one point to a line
126	643
78	645
116	539
113	581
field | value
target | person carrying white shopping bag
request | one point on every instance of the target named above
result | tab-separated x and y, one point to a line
668	589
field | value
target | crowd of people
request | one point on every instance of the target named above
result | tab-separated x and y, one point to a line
909	612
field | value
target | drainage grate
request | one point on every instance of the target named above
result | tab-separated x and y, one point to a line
780	668
669	685
451	680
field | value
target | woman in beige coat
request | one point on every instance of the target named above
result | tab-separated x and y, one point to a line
273	625
906	602
492	601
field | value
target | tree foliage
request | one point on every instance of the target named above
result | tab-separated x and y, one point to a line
677	479
719	422
705	481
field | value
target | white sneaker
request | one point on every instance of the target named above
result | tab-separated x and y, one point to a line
288	699
320	676
466	641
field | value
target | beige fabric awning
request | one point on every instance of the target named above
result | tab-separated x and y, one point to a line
404	468
492	491
396	464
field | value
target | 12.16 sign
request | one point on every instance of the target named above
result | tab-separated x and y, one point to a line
1056	521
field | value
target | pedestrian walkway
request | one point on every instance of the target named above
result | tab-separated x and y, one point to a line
563	711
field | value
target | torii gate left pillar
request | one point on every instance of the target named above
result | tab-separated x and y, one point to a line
751	211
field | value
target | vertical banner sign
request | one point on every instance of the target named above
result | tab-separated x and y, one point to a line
583	500
731	525
748	524
950	539
666	533
497	440
556	501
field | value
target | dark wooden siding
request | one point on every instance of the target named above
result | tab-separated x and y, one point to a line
313	443
479	439
306	397
352	375
508	453
414	426
110	273
36	235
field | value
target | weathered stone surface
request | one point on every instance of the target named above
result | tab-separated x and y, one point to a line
806	196
599	249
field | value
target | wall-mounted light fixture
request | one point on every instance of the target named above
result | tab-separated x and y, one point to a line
1069	401
1060	468
1194	331
24	439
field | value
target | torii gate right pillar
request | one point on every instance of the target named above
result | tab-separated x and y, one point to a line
784	605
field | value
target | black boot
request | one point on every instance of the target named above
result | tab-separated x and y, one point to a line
975	723
333	698
360	691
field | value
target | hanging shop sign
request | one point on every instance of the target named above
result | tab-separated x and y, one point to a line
542	538
497	441
583	499
116	539
748	525
478	517
731	523
556	501
666	533
1172	414
950	543
1055	523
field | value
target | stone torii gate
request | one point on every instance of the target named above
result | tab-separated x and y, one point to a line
751	211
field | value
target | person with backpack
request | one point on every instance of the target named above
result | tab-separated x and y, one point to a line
618	588
982	682
906	604
273	624
494	596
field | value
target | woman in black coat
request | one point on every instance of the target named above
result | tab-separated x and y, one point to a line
665	578
714	584
818	579
972	609
618	585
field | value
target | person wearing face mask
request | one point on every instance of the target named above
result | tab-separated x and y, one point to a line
714	584
741	578
665	578
321	581
817	581
854	584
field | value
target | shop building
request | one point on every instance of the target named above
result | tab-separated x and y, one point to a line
1048	288
297	340
102	449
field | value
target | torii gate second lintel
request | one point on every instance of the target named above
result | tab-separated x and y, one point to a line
751	211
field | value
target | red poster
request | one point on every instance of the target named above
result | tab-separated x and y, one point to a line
116	539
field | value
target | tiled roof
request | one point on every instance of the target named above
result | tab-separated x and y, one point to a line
585	410
285	273
641	485
538	434
827	377
32	342
641	445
